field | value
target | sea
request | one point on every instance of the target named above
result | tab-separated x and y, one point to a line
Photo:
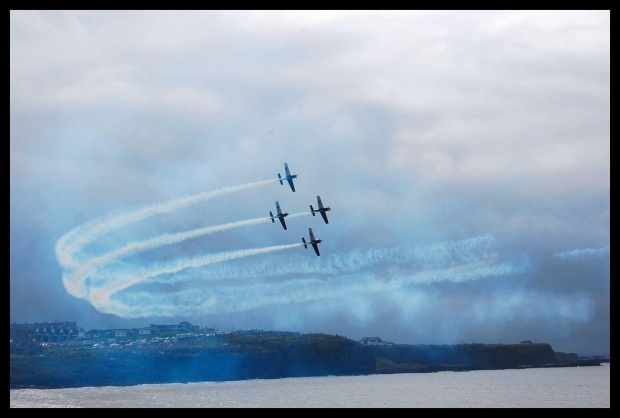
561	387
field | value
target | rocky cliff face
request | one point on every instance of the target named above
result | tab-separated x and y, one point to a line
263	356
474	355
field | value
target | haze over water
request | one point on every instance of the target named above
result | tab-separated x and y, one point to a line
568	387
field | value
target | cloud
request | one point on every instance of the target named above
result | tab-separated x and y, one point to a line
416	127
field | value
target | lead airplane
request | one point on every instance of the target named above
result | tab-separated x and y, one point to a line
288	177
280	215
321	209
313	241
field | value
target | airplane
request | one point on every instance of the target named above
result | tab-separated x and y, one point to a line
314	242
279	215
321	209
288	177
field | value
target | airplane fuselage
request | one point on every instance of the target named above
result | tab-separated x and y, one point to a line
288	177
312	241
322	209
280	215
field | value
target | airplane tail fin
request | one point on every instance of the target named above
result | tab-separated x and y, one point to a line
312	210
280	177
304	241
272	220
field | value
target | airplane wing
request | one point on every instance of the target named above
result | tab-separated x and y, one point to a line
283	223
289	178
278	208
290	183
324	215
318	199
311	235
316	248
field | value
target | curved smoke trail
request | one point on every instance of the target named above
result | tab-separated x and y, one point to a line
86	269
237	298
441	255
79	237
100	298
337	275
167	289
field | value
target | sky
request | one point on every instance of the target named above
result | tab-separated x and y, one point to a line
465	156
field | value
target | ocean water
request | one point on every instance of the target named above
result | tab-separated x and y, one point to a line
565	387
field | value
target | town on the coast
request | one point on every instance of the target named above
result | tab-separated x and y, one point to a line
42	337
63	354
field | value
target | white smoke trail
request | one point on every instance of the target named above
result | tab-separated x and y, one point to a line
358	271
88	268
100	298
457	262
582	253
296	291
244	297
435	256
79	237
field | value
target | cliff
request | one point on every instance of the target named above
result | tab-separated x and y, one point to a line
420	358
259	355
238	356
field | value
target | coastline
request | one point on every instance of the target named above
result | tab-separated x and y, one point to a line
257	355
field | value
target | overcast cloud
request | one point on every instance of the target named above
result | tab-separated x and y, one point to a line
465	156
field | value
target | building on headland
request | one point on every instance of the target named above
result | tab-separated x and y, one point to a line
94	334
374	341
46	331
22	332
53	332
181	326
124	333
